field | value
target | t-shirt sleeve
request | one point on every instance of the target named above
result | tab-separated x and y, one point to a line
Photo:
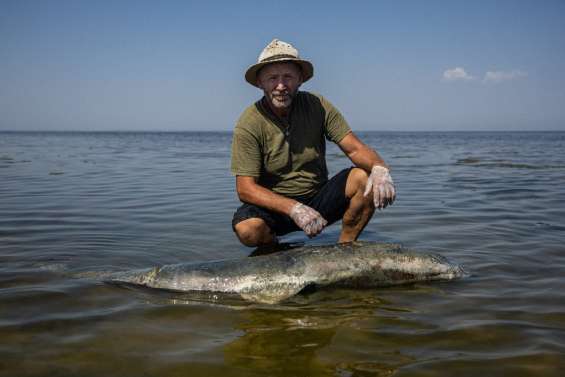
245	153
336	127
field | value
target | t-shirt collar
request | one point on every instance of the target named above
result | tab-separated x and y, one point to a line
264	107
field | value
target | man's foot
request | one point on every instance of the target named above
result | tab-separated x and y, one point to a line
274	248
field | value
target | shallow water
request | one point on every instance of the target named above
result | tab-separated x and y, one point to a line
76	204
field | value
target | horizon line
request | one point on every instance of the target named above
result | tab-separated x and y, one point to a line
229	131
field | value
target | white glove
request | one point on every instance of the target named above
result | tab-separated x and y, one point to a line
380	182
308	219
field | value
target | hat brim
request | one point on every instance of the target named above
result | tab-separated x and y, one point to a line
305	65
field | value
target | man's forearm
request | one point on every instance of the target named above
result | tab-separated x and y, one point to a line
360	154
305	217
365	158
252	193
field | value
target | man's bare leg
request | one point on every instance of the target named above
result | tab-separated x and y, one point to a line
255	232
361	208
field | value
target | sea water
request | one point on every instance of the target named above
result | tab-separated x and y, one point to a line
75	205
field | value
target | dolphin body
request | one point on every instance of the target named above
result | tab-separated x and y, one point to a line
275	277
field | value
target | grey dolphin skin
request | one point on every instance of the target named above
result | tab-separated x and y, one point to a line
275	277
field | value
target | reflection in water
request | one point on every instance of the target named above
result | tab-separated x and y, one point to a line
299	339
280	344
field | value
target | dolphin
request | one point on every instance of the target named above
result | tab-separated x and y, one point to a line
275	277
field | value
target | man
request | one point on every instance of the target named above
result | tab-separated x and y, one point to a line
278	158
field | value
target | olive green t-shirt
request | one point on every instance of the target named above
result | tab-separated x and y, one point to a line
287	156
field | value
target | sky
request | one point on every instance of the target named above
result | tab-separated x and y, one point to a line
179	65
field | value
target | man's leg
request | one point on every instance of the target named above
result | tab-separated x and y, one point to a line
255	232
257	226
360	209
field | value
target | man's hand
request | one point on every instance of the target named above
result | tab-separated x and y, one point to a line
308	219
380	182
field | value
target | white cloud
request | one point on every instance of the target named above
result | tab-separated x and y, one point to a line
456	74
499	76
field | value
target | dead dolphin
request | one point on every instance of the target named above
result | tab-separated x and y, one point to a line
278	276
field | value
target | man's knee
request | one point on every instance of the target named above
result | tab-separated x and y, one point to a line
356	182
253	232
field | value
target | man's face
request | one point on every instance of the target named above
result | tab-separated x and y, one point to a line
280	82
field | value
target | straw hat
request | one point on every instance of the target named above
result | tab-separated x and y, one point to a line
276	52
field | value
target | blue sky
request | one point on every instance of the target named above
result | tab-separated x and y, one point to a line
178	65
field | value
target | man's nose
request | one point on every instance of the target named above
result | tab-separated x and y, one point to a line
281	84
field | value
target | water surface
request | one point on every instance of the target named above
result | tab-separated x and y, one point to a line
75	204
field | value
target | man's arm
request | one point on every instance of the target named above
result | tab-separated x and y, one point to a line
379	181
250	192
308	219
360	154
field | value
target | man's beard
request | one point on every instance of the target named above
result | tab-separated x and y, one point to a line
281	100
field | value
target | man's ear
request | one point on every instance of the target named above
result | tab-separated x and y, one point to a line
300	81
258	80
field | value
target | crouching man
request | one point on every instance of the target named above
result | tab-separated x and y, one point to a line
278	158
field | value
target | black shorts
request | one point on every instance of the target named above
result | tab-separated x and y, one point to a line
330	201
